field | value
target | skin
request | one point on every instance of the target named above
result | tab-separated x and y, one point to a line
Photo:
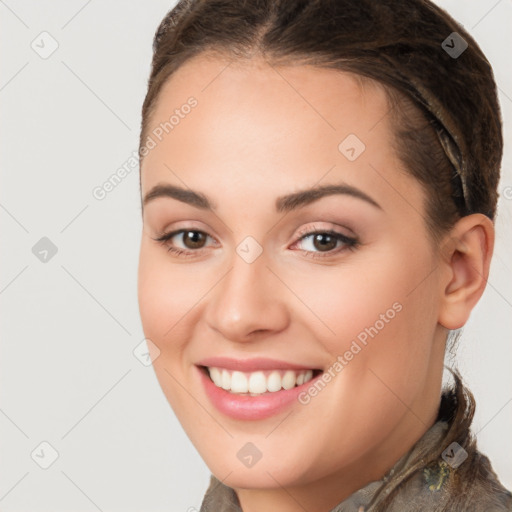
259	132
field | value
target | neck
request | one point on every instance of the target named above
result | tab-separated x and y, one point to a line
324	494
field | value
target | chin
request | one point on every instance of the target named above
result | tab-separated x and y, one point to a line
269	468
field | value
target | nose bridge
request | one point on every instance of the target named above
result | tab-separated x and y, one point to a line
247	299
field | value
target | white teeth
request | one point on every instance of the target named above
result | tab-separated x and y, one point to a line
289	380
239	383
257	382
216	376
274	382
226	380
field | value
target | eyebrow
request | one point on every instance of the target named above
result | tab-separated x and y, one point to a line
285	203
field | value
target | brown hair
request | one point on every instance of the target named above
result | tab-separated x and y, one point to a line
444	110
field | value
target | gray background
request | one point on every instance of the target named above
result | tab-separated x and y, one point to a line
68	375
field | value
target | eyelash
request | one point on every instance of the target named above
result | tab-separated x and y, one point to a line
350	243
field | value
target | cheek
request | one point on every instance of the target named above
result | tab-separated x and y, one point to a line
166	298
167	294
377	313
377	324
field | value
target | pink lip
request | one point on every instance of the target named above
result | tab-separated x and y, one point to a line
245	407
251	365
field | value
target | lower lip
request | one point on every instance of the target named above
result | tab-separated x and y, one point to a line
245	407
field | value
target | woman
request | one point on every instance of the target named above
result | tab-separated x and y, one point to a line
319	184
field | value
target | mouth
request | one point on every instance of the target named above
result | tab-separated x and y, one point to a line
254	389
259	382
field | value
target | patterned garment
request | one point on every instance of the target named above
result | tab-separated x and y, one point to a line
443	472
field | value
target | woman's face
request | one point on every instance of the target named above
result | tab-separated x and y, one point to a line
259	301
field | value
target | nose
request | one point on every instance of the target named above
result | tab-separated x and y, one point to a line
249	300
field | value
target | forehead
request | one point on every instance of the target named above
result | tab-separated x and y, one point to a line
245	86
268	126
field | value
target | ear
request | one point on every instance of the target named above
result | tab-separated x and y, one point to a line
466	258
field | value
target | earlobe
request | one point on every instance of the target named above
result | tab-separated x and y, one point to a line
467	252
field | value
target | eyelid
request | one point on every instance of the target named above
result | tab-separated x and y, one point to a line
184	226
311	229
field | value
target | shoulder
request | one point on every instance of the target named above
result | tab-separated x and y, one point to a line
445	486
445	471
479	487
220	498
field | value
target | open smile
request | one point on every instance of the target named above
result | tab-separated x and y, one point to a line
258	382
254	389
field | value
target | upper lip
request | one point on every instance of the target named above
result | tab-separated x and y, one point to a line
250	365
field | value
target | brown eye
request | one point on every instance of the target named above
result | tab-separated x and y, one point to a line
190	240
324	242
193	239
